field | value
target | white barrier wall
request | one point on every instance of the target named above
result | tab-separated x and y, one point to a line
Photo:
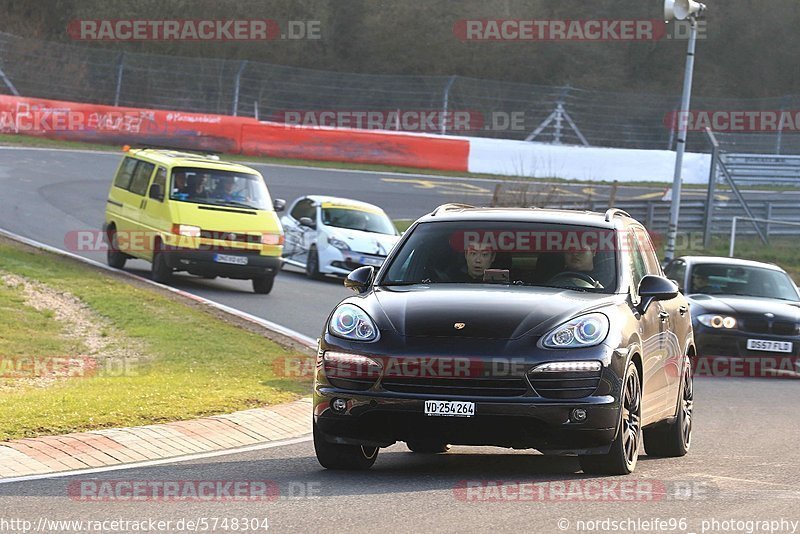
540	160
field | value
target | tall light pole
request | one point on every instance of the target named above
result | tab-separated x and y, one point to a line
681	10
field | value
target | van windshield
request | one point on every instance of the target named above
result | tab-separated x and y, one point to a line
219	188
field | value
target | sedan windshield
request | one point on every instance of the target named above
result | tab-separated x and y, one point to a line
512	253
743	280
356	219
220	188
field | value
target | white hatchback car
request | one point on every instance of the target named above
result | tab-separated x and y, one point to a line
329	235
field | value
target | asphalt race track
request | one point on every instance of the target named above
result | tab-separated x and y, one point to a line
744	463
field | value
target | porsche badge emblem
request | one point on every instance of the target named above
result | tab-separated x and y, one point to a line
459	326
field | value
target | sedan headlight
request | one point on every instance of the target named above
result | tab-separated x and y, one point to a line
351	322
338	243
584	331
717	321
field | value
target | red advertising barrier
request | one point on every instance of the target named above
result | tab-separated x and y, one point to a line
235	135
357	146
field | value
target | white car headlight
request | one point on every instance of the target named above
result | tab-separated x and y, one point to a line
584	331
338	243
351	322
713	320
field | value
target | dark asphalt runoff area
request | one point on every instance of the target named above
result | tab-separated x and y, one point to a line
741	474
743	466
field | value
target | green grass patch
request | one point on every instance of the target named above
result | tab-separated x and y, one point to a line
196	363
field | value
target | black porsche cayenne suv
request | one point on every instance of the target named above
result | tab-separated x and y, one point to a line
553	330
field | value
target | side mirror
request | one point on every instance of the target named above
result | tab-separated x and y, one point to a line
156	192
279	204
360	279
306	221
653	288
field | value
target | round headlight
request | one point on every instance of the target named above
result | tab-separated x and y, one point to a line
584	331
351	322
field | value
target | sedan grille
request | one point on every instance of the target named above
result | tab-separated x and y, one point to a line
761	325
565	384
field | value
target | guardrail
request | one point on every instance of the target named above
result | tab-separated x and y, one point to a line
763	169
655	215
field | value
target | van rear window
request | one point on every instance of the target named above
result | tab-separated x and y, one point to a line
125	173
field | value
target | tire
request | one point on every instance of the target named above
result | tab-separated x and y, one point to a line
312	265
160	272
674	439
345	457
427	447
114	257
263	285
622	457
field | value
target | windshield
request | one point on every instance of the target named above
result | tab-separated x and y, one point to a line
722	279
219	188
512	253
356	219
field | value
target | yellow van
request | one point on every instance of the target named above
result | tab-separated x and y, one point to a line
192	212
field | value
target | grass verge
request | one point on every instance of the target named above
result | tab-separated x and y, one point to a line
196	363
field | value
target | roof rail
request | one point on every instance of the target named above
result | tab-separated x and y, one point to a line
177	148
451	206
613	212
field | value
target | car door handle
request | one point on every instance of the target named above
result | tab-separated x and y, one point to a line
663	315
682	310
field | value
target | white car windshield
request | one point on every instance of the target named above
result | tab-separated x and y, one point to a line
219	188
355	219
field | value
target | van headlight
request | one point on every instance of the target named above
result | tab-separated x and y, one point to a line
584	331
351	322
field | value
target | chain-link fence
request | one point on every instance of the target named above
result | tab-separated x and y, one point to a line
265	91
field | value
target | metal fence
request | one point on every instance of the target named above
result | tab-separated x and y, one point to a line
655	215
566	115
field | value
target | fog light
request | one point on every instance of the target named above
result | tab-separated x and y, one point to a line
339	405
578	415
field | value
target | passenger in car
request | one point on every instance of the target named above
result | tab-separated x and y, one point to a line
479	257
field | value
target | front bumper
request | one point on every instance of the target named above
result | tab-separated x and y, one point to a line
383	419
723	353
381	415
203	263
342	262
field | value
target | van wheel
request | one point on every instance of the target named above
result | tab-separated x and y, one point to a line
674	439
312	265
114	257
263	285
621	459
337	456
160	271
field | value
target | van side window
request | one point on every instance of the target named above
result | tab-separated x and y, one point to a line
141	178
161	180
125	173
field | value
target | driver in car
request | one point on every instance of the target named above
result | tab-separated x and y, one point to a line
579	267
